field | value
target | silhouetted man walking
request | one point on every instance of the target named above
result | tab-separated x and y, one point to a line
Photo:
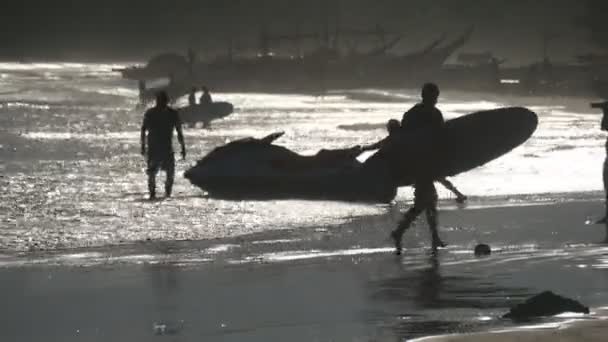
192	97
205	97
604	127
159	123
393	127
423	116
142	92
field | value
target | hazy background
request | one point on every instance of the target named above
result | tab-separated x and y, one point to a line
133	30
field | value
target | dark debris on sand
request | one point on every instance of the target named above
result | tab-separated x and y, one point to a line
545	304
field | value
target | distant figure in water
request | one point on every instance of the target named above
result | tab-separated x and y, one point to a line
604	127
422	116
206	97
191	60
159	123
142	92
394	129
192	97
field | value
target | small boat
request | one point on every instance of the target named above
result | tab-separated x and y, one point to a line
205	113
159	66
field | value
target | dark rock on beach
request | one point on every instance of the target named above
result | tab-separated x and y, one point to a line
482	249
545	304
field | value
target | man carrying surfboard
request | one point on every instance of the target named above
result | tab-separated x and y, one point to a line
604	127
394	129
159	123
192	97
423	116
205	97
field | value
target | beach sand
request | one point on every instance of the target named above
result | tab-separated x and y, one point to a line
595	330
330	283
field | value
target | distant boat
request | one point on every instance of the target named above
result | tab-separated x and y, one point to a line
326	67
600	88
159	66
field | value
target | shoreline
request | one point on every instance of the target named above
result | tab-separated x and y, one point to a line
447	207
326	282
591	328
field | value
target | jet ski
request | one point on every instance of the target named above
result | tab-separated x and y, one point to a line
253	168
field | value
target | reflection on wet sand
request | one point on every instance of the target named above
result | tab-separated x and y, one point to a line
418	291
164	280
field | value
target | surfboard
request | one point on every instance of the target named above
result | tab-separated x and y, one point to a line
205	113
463	144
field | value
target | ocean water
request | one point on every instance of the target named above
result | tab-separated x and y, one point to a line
72	175
73	194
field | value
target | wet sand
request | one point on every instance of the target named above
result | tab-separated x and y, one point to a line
593	330
326	283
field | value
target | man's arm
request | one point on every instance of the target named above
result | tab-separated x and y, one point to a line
407	116
439	121
404	119
375	146
604	107
446	184
180	134
144	128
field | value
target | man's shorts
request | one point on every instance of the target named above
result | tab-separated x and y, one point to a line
425	195
163	162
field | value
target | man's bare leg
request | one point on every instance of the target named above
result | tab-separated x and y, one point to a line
152	184
460	197
170	170
408	218
431	217
169	183
605	179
